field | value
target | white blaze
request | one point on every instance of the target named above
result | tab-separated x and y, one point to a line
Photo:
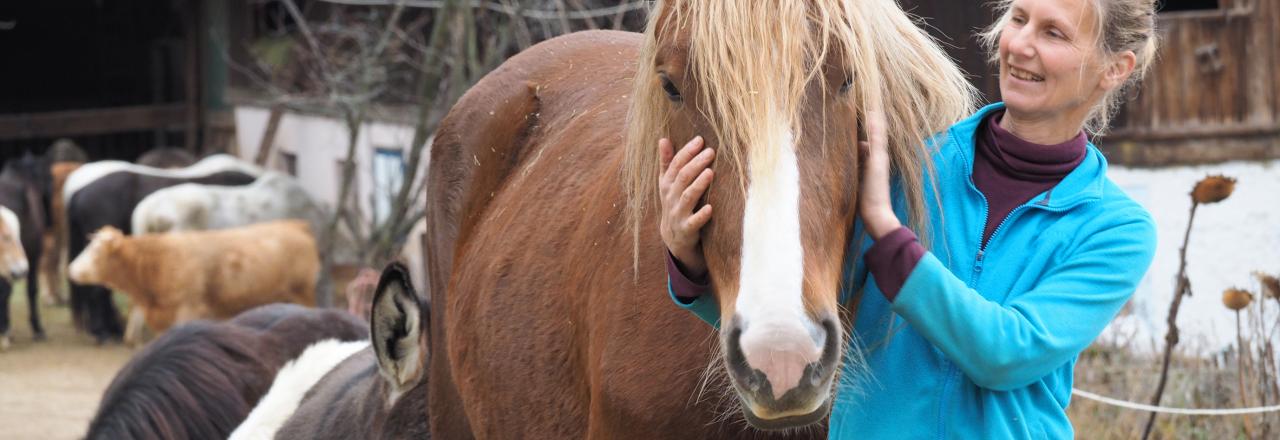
772	256
15	229
778	337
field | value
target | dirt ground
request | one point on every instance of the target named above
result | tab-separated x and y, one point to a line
50	389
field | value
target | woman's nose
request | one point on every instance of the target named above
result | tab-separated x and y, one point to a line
1021	44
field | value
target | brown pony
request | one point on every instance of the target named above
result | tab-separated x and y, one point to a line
549	316
52	274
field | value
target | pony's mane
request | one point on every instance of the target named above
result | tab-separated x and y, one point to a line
752	60
201	379
196	381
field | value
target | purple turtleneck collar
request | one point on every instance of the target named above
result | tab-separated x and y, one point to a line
1010	170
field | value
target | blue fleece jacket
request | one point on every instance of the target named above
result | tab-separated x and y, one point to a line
981	342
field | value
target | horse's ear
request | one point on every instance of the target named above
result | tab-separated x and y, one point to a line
396	329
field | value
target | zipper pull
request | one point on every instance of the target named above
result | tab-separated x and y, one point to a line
977	265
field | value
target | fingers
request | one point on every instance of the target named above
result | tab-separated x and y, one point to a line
693	169
875	128
665	153
695	190
699	219
682	158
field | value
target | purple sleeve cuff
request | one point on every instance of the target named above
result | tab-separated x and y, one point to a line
681	285
892	258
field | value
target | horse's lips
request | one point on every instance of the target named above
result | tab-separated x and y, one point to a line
789	420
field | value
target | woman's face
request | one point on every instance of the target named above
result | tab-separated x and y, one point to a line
1049	62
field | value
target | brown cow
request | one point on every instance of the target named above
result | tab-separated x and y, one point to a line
180	276
55	238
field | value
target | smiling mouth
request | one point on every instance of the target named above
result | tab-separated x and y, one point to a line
1024	75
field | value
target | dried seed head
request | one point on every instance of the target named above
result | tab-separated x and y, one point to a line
1236	299
1270	285
1213	189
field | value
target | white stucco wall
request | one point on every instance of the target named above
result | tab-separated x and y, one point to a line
319	143
1229	240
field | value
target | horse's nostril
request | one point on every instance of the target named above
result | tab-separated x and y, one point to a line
816	374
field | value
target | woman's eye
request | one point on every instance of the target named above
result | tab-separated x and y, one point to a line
1018	20
673	93
848	84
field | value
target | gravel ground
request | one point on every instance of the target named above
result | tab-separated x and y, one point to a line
50	389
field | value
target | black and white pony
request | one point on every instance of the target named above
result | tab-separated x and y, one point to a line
344	391
199	380
104	194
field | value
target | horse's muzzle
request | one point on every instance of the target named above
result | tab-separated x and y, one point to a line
783	378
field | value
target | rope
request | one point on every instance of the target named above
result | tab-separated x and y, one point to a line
1167	410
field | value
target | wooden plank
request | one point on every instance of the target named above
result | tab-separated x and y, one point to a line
191	78
1194	132
92	121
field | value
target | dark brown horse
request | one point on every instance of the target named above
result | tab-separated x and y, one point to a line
22	188
549	313
104	194
200	380
379	392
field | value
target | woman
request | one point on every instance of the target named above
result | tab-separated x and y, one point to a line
1034	249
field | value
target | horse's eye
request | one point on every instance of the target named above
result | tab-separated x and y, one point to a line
672	92
848	83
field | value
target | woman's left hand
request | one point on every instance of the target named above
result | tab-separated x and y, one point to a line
874	204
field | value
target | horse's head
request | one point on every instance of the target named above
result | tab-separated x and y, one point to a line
13	259
777	88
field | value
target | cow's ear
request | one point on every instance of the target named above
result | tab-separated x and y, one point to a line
396	327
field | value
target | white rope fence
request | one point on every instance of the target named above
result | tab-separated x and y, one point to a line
1167	410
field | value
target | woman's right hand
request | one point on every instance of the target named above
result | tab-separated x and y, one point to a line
685	177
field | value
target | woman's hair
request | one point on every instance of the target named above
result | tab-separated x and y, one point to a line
1123	25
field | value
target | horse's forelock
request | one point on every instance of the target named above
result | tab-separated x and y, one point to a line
752	61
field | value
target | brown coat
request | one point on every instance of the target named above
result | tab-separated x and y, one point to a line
177	277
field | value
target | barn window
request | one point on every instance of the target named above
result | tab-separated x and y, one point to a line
388	172
290	163
1187	5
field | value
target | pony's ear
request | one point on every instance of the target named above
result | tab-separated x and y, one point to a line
396	329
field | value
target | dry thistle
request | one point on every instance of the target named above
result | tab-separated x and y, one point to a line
1236	299
1270	285
1213	189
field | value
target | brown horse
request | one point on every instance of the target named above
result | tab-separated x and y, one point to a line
549	318
55	238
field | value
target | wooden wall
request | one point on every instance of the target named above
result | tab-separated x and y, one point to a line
1213	93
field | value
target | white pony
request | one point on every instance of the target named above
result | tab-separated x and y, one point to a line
191	206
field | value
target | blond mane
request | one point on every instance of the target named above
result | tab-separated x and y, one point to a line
753	59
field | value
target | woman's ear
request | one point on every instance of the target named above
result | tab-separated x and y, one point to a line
396	324
1118	70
